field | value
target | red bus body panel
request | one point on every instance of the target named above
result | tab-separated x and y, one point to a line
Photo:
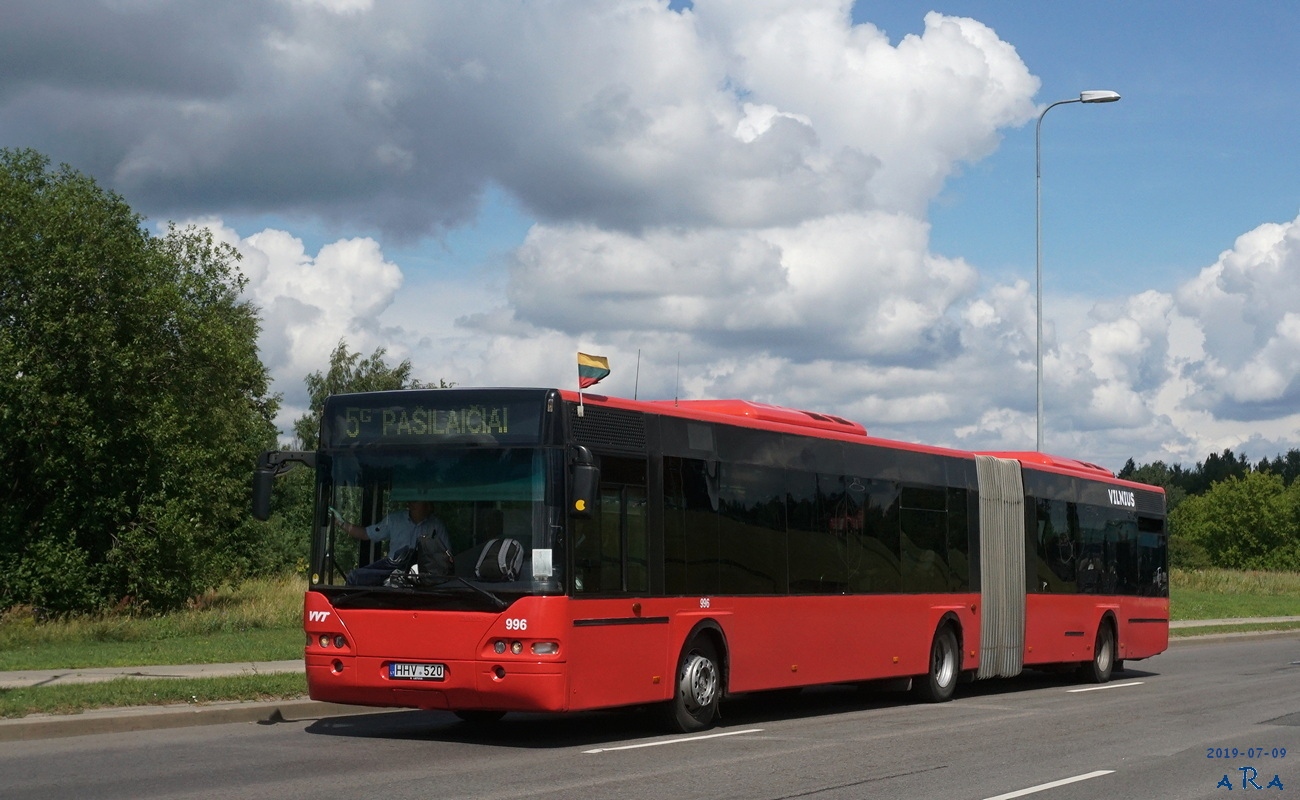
619	652
1063	628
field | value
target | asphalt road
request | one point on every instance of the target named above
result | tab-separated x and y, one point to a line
1148	734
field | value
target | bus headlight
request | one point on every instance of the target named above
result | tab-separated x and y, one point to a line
545	648
516	647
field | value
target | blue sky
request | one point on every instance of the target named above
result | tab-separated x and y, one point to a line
1138	193
800	211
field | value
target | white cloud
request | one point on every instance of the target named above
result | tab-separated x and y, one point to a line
1245	306
309	302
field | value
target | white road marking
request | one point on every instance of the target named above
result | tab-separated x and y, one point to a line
1107	686
686	740
1042	787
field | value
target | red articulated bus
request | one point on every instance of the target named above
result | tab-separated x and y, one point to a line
610	552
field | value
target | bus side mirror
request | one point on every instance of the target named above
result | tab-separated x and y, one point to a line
271	464
262	481
584	480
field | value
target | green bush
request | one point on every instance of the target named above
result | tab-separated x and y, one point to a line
1242	523
134	403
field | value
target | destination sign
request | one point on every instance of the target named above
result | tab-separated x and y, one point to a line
352	420
421	421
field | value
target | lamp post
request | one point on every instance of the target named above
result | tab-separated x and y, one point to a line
1098	96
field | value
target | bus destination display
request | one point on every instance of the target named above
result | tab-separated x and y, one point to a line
413	423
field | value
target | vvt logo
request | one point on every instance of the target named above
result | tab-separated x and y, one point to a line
1119	497
317	616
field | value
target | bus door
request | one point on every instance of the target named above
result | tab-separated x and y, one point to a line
610	550
618	647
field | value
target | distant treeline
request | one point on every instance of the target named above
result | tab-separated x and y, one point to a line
1228	512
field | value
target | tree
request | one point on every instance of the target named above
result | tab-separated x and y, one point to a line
349	372
1243	523
1158	474
1288	468
1216	468
132	400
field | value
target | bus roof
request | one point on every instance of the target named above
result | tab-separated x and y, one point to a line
768	413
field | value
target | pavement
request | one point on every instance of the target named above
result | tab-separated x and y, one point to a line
139	718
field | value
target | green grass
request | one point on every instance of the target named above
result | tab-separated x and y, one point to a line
258	620
1227	594
75	698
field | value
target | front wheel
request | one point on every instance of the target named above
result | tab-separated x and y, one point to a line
1098	669
697	689
938	685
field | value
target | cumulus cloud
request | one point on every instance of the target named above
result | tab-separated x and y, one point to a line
1245	306
622	115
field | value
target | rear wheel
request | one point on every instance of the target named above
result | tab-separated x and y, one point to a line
697	688
1098	669
938	685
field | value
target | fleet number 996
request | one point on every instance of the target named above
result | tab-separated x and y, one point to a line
514	624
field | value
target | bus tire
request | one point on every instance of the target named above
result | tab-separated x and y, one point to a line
1099	668
697	687
938	685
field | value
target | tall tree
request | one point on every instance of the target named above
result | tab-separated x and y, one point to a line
1158	473
349	372
132	399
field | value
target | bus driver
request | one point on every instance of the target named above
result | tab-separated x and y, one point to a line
402	530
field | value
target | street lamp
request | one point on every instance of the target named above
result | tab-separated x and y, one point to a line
1096	96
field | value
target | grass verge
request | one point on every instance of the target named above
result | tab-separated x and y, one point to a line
76	698
260	620
1229	594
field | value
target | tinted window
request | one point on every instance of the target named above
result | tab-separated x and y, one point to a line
752	538
690	526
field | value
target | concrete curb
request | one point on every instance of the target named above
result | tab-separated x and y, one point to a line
145	718
1206	623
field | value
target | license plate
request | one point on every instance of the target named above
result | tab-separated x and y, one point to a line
417	672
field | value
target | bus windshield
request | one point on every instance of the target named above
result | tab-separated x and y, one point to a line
482	497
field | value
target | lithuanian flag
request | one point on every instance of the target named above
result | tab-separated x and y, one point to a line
591	370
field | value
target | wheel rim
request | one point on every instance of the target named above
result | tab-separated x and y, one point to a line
1105	651
943	661
699	683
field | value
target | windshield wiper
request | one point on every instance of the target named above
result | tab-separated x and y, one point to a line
444	579
352	593
357	592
